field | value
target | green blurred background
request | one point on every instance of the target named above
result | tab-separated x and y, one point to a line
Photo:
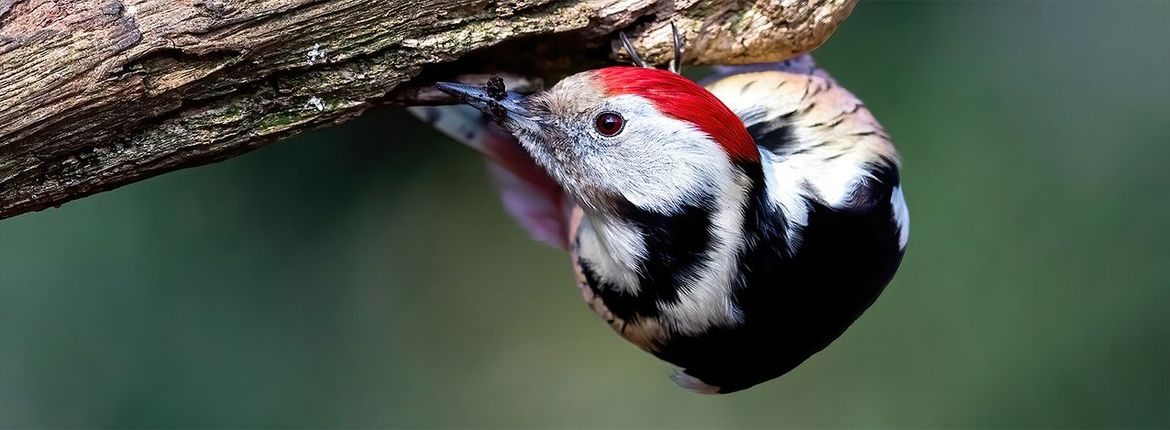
366	276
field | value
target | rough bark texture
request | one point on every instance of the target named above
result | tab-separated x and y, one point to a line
100	93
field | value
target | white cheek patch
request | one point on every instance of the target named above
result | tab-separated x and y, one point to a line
901	216
658	163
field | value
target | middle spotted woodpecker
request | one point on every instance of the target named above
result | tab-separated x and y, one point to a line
732	230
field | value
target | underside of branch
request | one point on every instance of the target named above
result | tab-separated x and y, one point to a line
95	94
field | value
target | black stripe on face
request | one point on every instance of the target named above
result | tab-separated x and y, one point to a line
677	246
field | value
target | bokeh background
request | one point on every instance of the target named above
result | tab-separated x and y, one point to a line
366	276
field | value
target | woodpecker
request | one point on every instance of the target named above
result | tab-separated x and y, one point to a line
732	230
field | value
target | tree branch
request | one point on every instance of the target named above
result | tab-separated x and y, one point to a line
95	94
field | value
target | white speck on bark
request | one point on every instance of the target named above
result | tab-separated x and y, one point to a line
316	54
316	103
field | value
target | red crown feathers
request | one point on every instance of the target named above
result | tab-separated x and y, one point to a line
682	99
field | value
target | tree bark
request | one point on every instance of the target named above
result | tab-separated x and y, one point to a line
95	94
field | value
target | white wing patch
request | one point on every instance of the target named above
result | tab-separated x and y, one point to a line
901	216
784	183
795	180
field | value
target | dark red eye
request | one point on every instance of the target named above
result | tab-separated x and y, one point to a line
609	124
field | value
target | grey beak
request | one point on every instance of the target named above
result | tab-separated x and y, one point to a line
507	106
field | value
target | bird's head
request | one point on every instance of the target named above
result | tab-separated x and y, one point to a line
625	135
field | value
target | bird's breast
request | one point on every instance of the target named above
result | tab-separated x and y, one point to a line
647	334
